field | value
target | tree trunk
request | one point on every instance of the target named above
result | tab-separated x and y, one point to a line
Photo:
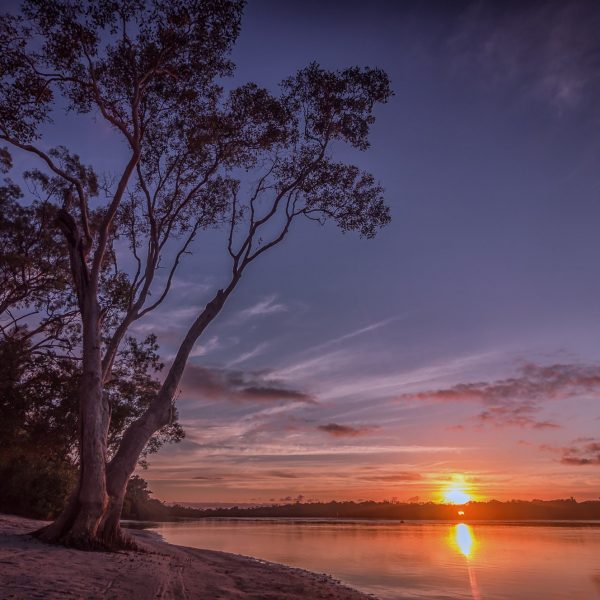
110	532
91	519
78	525
159	414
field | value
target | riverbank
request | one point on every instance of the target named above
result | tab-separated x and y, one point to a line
30	569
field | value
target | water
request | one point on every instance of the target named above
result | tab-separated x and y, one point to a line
418	559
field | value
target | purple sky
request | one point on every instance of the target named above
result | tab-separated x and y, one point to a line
489	153
464	339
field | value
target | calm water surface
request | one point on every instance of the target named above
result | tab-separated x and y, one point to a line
418	559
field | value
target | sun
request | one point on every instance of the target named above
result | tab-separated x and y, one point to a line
455	492
456	495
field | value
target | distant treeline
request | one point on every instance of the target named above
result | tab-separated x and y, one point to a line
139	505
568	509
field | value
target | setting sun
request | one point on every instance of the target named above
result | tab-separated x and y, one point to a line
455	492
456	496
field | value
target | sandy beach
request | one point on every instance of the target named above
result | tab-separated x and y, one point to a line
31	569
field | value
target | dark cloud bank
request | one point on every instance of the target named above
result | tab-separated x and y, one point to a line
337	430
238	386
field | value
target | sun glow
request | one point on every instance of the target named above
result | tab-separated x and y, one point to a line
455	492
456	496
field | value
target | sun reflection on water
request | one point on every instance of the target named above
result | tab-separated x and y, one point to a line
463	538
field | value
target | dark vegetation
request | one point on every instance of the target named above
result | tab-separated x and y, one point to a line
513	510
38	420
138	504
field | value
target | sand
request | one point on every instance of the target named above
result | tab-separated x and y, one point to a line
30	569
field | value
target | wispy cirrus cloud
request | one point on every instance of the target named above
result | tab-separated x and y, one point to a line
390	384
314	366
551	49
325	359
533	382
397	476
284	474
298	450
521	415
266	306
256	351
580	452
355	333
213	343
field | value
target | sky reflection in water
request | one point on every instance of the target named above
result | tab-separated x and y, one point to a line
419	560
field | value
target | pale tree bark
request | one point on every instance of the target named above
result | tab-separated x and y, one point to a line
91	519
159	414
79	522
79	525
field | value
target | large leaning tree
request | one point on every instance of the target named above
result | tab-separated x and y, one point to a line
248	161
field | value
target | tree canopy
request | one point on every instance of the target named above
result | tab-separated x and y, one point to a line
250	161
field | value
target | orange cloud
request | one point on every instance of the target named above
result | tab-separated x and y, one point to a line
587	453
517	416
392	477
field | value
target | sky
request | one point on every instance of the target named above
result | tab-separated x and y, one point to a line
462	343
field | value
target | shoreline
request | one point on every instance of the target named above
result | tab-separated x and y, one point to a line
32	569
144	524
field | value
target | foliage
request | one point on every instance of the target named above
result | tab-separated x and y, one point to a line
139	505
35	277
492	510
132	387
252	162
38	409
39	406
38	421
33	485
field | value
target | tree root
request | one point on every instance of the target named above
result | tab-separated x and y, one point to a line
117	542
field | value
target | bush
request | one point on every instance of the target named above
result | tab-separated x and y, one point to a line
33	487
139	506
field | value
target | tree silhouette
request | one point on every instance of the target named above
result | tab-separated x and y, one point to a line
249	161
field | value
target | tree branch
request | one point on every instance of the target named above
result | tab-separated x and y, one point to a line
74	181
